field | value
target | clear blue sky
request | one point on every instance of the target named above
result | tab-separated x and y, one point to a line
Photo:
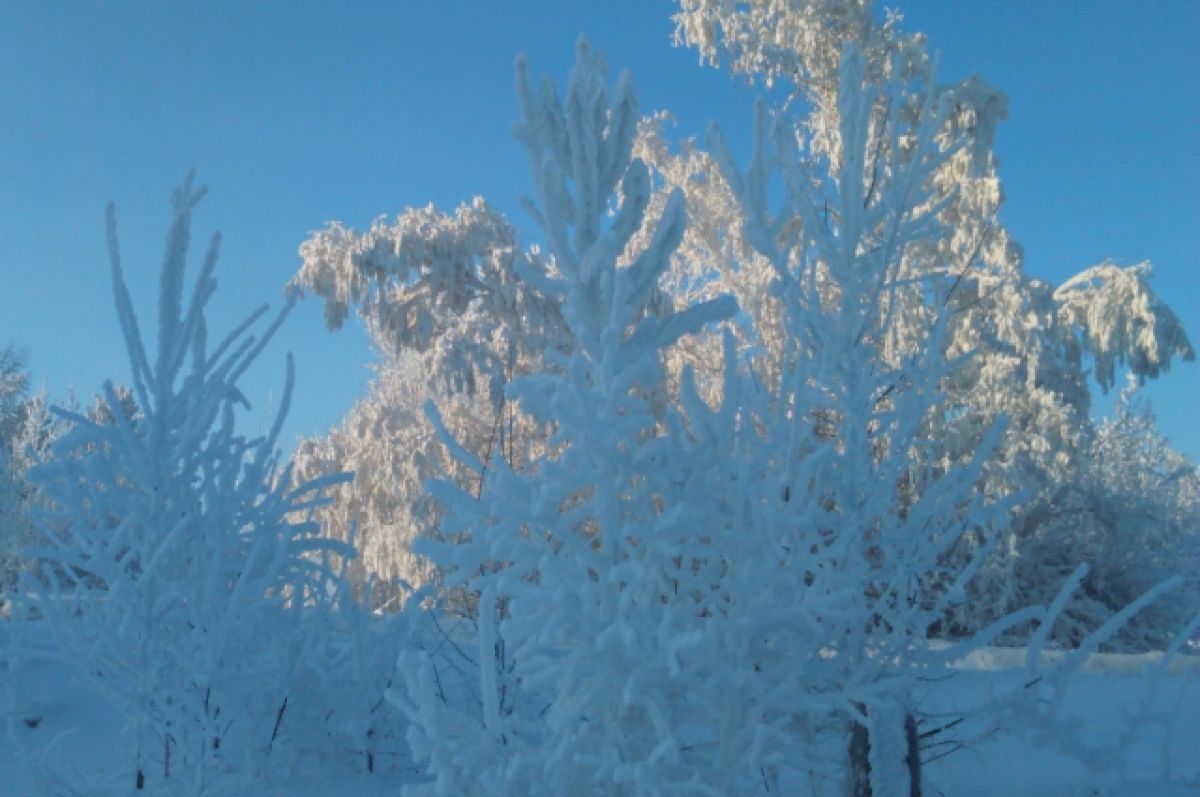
298	113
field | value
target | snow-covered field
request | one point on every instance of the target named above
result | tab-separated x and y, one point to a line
1116	731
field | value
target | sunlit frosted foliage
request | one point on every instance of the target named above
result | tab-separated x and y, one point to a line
452	306
1121	321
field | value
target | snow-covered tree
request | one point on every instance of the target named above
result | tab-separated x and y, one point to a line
179	564
1030	343
14	525
32	435
684	598
27	429
14	383
578	610
452	322
27	435
1133	513
13	519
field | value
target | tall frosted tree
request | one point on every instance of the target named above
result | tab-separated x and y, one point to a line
572	582
735	597
1031	344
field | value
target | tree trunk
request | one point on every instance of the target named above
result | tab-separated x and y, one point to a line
913	757
860	764
860	759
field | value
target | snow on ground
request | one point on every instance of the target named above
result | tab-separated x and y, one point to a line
1014	658
1082	753
54	717
54	721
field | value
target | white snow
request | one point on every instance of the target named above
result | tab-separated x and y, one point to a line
77	731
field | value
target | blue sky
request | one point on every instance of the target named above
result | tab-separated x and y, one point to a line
294	114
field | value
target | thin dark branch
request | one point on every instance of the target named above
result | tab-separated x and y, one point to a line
967	265
879	139
939	729
447	638
954	749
